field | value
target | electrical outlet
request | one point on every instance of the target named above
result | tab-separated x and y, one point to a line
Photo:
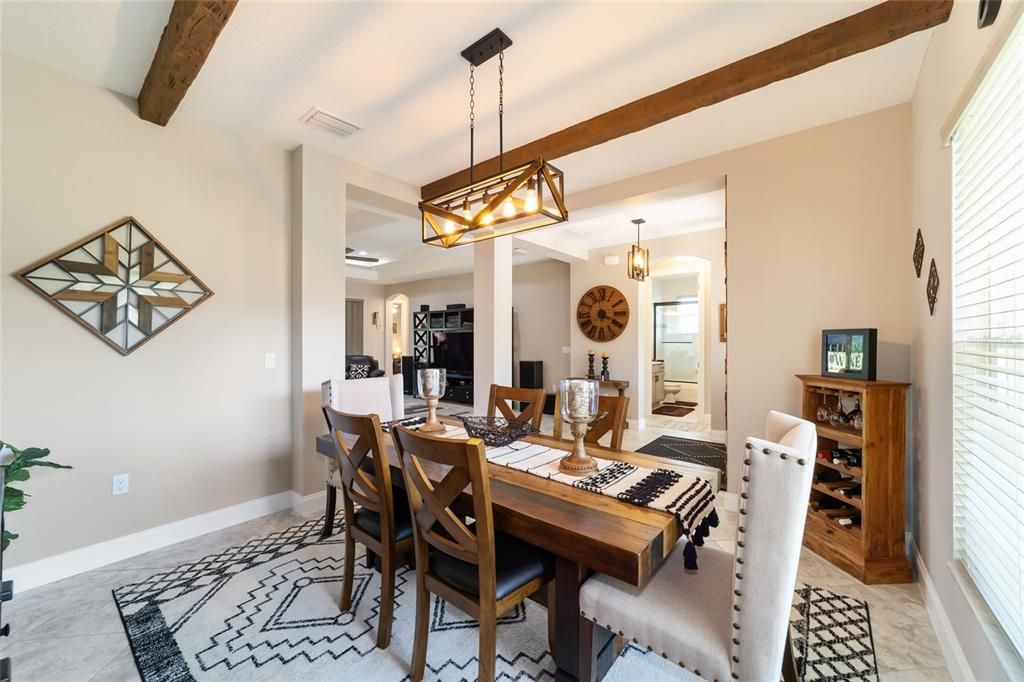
270	360
120	485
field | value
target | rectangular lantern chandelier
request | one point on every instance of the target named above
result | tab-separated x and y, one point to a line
523	198
638	266
527	197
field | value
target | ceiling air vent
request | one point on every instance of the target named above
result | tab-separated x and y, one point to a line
328	121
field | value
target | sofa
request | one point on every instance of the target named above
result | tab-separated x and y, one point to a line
362	367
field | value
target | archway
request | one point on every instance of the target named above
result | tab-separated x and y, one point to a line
398	332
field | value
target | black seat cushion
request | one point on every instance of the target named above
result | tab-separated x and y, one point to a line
516	563
369	521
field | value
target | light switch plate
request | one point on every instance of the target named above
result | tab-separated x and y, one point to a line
566	350
270	360
119	486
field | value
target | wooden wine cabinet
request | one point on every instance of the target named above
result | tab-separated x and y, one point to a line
873	549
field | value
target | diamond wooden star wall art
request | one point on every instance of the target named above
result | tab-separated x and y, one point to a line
119	283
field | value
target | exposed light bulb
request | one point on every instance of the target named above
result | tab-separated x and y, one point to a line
486	218
449	226
510	208
467	213
638	260
531	205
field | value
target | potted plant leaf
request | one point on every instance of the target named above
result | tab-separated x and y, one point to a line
18	472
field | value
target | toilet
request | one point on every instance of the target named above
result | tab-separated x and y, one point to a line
680	392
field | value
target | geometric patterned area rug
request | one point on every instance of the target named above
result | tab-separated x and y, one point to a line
267	611
832	636
688	450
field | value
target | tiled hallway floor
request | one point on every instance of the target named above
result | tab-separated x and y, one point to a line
70	630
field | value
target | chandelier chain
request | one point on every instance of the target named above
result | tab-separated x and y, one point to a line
501	111
472	117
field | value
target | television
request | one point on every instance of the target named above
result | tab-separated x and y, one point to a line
453	351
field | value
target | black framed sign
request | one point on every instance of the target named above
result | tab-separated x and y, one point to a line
849	353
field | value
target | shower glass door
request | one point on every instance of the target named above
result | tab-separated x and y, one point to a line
676	326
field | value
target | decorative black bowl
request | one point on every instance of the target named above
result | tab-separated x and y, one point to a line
497	431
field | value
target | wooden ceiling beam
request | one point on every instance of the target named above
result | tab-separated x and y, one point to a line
191	31
866	30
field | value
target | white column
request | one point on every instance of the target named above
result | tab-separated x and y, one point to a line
318	303
492	318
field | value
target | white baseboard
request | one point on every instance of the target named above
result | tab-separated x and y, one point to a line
60	566
309	505
956	661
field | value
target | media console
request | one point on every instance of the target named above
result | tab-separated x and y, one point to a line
444	338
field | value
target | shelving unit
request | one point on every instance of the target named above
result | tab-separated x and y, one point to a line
872	549
424	324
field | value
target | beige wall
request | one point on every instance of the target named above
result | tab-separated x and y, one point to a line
625	352
540	297
193	417
955	51
817	225
374	338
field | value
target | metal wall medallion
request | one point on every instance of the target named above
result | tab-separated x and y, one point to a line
988	10
120	283
919	252
933	286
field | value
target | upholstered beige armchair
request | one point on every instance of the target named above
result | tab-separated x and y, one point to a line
728	620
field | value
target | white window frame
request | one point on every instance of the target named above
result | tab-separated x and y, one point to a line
988	338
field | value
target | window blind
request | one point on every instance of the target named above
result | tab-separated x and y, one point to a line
988	337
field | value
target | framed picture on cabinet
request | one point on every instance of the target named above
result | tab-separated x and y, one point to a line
849	353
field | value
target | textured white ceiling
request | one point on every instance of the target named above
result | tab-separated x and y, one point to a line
395	69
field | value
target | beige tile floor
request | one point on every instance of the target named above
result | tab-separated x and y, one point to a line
69	631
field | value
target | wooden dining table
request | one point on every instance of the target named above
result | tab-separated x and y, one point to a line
586	533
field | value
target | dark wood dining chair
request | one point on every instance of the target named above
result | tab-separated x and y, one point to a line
614	408
483	573
531	402
383	524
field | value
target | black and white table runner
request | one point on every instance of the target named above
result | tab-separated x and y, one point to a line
689	498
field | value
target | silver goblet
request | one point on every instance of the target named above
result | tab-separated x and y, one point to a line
432	385
579	399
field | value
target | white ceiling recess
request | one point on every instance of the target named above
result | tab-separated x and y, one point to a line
369	63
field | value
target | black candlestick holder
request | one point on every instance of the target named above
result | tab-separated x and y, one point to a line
604	368
591	374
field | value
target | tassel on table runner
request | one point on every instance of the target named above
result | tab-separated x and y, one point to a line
690	499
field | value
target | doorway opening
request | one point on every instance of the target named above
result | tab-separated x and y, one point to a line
678	366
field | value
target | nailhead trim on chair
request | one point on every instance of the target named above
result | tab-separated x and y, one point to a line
740	544
739	576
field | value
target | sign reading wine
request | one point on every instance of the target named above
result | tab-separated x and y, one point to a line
849	353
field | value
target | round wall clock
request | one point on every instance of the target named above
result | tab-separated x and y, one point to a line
602	313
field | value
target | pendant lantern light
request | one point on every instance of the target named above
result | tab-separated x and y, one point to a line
638	265
526	197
